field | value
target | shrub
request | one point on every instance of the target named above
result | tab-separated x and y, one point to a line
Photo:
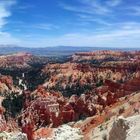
13	103
121	110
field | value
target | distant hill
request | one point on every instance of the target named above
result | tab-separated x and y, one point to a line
53	51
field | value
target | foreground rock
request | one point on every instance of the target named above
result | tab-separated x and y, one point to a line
66	132
13	136
126	129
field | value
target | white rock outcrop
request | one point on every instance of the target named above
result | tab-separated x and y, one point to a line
65	132
13	136
126	129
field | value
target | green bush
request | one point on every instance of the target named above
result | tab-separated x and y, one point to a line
13	103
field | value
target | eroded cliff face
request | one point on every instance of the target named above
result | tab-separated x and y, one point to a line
73	78
106	55
20	61
83	93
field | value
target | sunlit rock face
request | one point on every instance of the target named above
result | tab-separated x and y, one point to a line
6	85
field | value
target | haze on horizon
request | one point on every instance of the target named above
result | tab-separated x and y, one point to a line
99	23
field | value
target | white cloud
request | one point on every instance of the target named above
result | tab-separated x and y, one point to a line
6	38
90	18
133	10
5	6
5	12
97	7
115	38
125	34
113	3
94	11
130	25
45	26
88	7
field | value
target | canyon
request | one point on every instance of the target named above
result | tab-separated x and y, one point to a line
80	96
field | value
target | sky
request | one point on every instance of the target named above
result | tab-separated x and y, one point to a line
93	23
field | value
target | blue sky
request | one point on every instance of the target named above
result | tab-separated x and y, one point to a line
97	23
